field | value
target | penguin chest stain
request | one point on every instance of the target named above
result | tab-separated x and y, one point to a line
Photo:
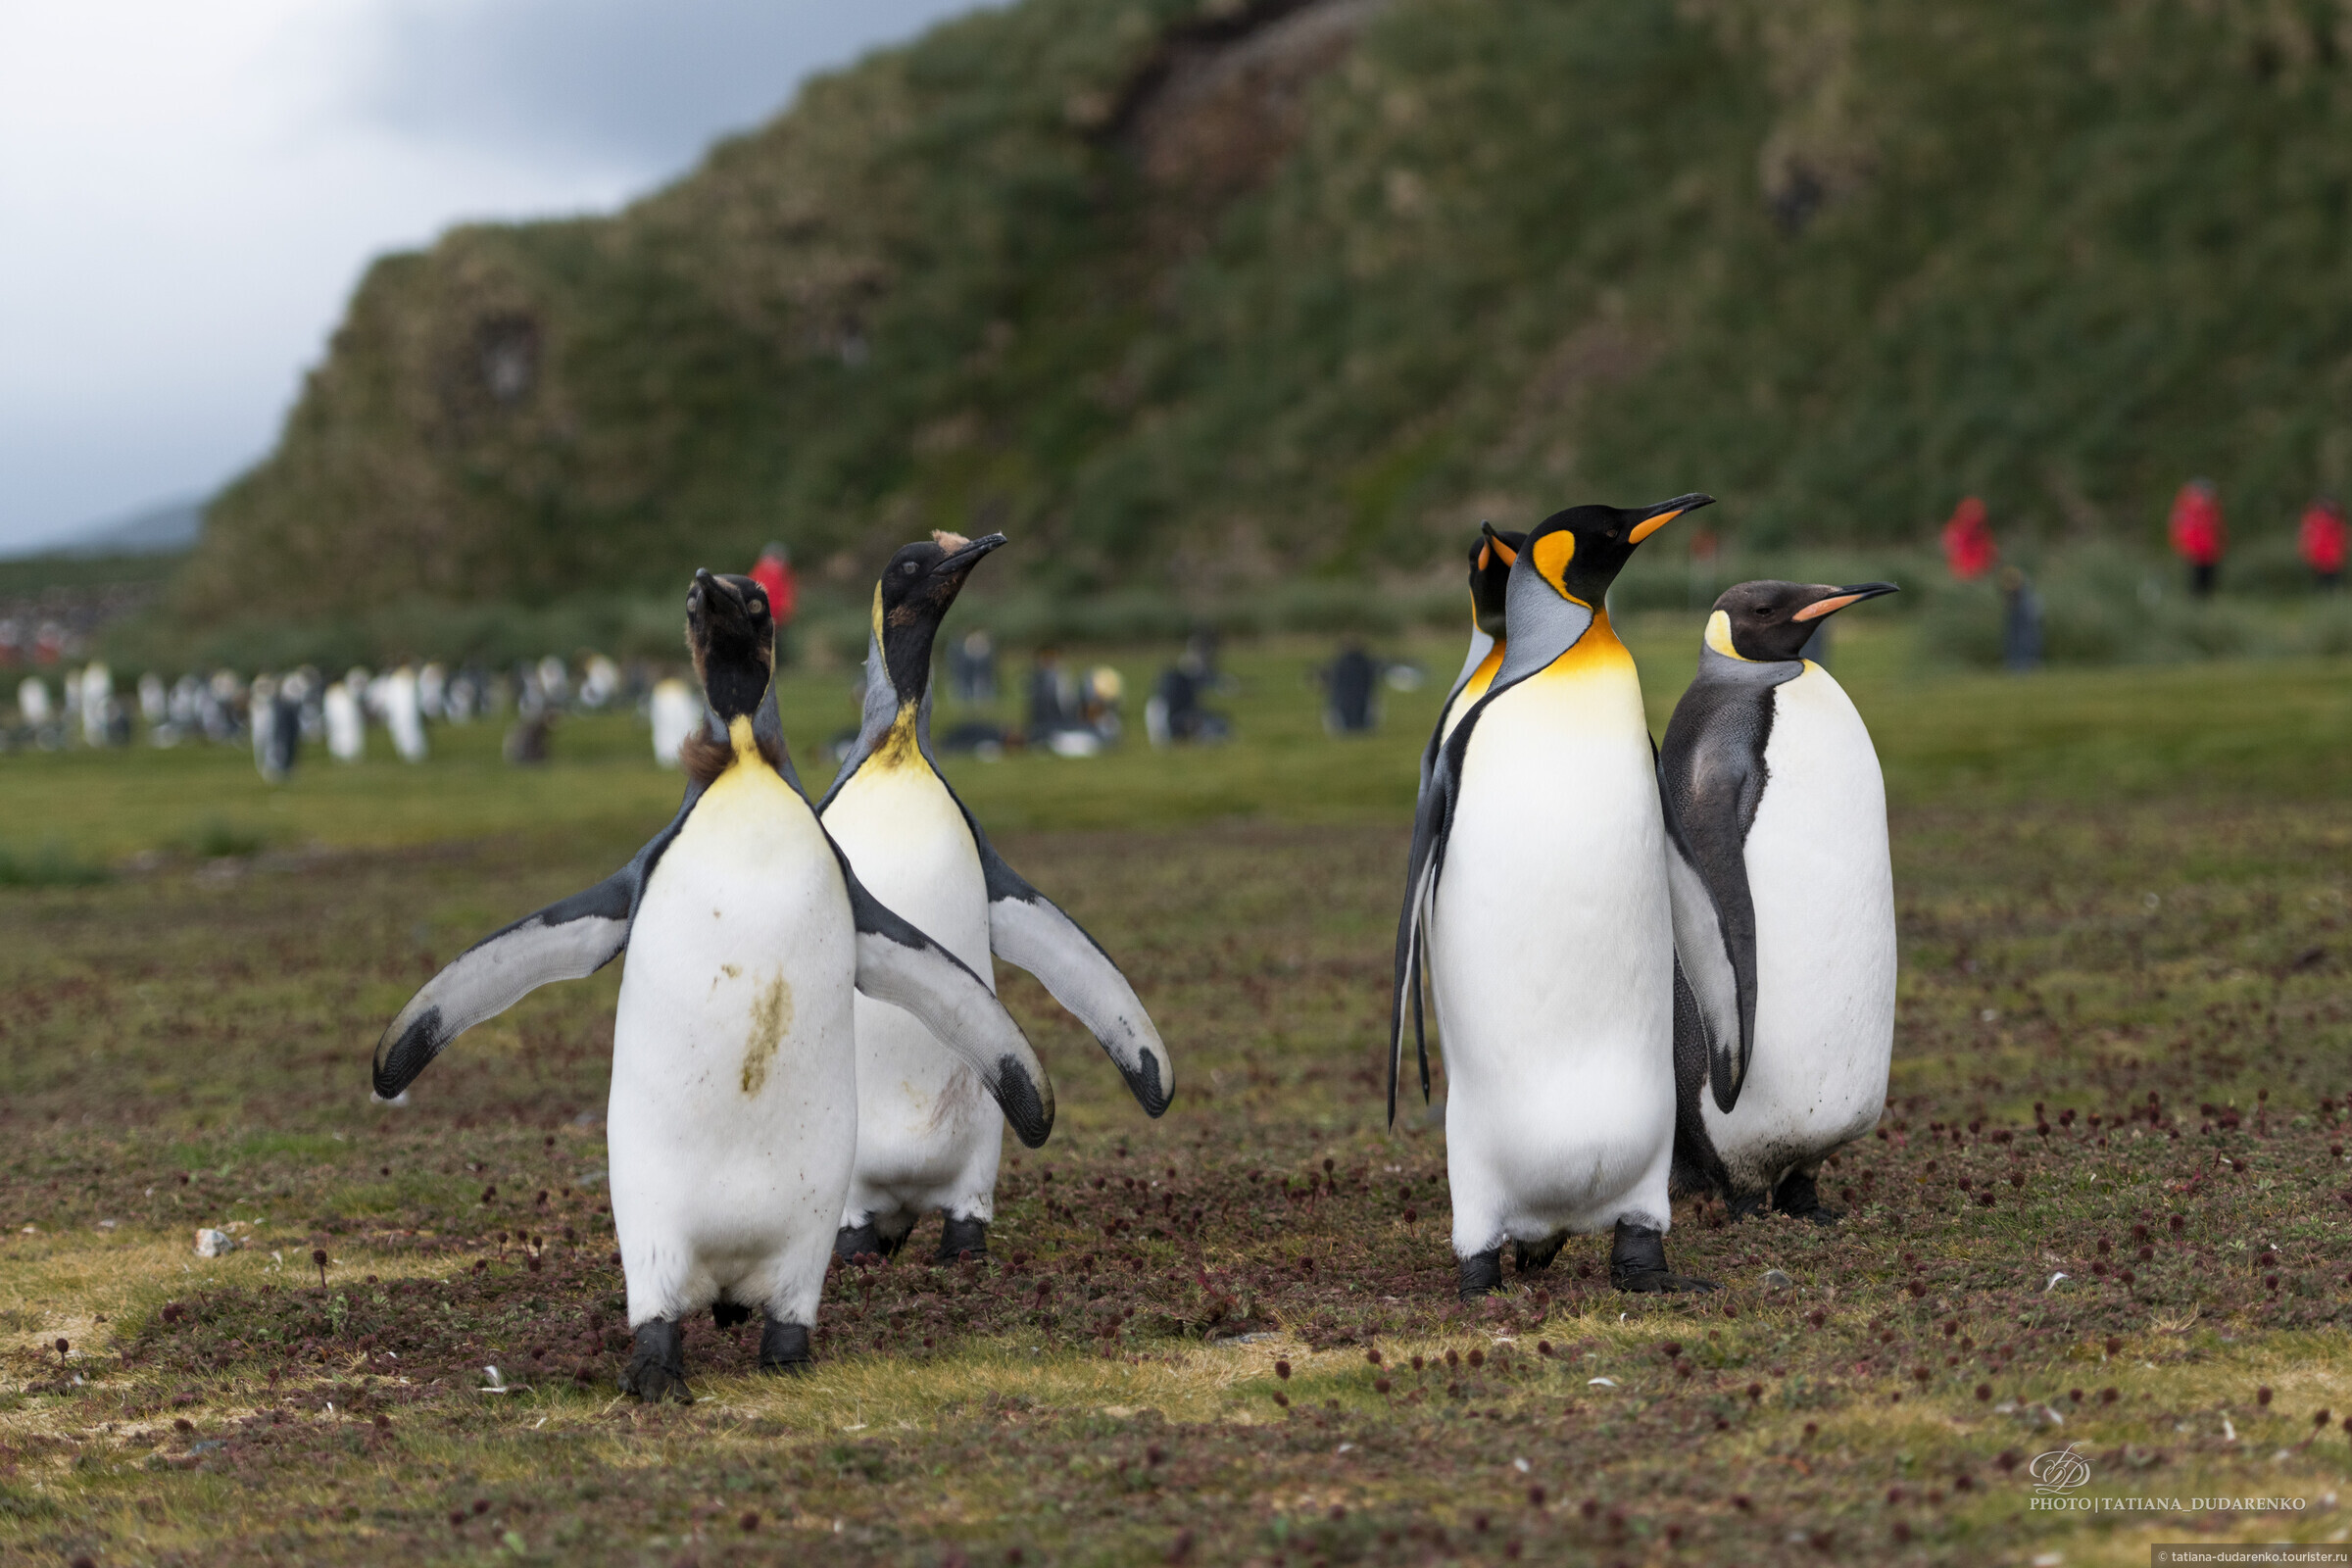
740	965
772	1021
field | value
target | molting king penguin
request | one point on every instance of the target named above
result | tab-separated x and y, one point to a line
926	1137
1784	905
1490	560
1536	891
733	1124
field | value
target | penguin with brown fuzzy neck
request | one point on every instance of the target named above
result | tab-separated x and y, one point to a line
732	1128
927	1138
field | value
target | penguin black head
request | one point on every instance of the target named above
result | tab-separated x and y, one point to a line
1769	622
733	639
1489	573
913	597
1581	550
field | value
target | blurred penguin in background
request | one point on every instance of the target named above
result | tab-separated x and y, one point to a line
677	712
155	701
527	739
404	715
97	697
2020	622
346	725
265	729
39	717
277	725
1053	696
1175	714
972	668
1350	691
600	680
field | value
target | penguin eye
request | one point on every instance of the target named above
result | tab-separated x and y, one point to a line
910	568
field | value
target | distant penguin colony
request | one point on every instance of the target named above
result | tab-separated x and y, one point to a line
733	1125
927	1139
1784	906
1654	972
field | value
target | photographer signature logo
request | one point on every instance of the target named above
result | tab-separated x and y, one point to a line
2059	1470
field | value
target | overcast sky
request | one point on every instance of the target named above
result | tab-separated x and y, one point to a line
190	188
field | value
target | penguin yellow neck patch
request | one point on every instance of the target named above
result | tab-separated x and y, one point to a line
899	747
706	762
1596	652
1719	637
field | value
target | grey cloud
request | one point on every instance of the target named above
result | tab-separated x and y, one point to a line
626	83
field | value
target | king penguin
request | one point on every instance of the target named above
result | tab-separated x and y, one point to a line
1490	560
926	1137
1537	889
733	1125
1784	906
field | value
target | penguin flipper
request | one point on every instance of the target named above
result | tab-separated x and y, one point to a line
1027	928
900	965
569	940
1432	819
1708	810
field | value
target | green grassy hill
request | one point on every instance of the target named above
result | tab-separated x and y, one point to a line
1202	296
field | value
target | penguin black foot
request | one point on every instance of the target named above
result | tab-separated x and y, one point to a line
784	1346
869	1240
657	1369
1536	1258
1638	1264
726	1315
1796	1196
959	1237
1482	1274
1738	1208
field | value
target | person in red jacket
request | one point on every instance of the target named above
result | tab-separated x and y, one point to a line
2320	540
2200	534
774	572
1968	547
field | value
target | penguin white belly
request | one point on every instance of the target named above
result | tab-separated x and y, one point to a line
928	1135
732	1128
1819	873
1551	952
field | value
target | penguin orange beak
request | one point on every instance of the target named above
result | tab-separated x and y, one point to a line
1840	598
1659	516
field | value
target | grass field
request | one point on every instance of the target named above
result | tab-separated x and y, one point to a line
1228	1336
